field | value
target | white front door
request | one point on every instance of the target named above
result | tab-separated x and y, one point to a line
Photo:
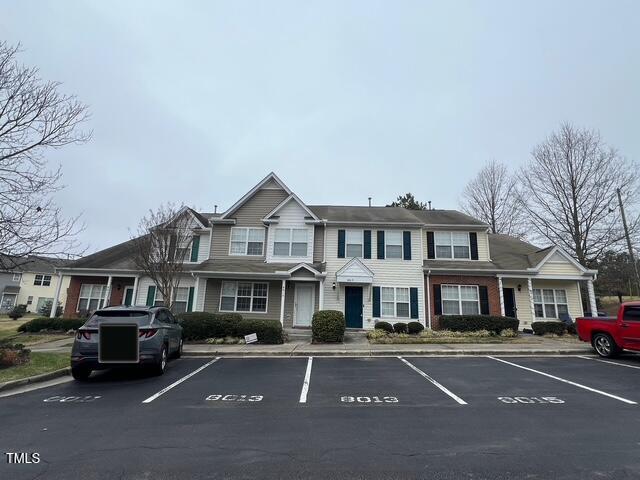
303	305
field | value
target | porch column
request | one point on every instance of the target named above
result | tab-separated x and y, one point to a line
54	305
321	296
501	293
196	287
134	300
428	295
592	298
107	300
533	309
284	289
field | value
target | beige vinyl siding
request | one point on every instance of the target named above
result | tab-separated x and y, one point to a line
289	300
291	216
559	268
145	282
318	243
248	215
523	305
214	288
28	289
483	244
387	272
573	294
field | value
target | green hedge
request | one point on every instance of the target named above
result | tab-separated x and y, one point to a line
400	327
328	326
202	325
414	327
46	323
471	323
384	326
540	328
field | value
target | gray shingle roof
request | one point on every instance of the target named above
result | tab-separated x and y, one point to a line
446	217
342	213
244	266
119	257
509	253
32	263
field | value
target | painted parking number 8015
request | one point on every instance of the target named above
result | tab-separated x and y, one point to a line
530	400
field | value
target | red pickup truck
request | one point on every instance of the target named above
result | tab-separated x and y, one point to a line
610	335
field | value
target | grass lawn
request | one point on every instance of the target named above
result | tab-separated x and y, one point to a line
40	363
436	340
9	332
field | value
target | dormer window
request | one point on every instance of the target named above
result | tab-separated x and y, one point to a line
247	241
290	242
454	245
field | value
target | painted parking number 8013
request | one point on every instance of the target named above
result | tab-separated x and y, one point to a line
530	400
350	399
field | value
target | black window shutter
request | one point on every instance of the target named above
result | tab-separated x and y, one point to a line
431	246
484	300
413	298
367	244
406	245
151	296
437	300
376	302
340	243
473	243
381	244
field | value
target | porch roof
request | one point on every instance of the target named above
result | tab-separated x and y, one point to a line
249	267
11	289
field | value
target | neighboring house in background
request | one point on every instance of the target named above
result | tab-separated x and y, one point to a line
32	282
272	256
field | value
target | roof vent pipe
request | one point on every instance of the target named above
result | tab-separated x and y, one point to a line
369	201
215	209
429	202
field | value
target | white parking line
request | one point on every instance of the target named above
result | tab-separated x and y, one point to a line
307	379
615	397
609	361
441	387
178	382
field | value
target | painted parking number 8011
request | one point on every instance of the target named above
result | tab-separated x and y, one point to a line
530	400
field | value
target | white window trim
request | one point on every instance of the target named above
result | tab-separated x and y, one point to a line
291	242
395	303
235	303
16	277
555	302
442	299
386	244
346	243
42	279
246	243
100	299
187	257
452	257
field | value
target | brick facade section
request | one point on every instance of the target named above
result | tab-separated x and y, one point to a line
490	282
73	292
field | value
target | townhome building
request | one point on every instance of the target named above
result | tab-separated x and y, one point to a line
272	256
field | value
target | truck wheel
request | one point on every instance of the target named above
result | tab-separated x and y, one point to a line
159	367
80	373
604	345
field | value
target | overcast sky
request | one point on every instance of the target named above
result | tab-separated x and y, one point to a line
195	102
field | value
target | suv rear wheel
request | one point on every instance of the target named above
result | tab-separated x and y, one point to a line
604	345
80	373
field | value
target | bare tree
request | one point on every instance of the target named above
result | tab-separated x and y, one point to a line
34	117
492	196
569	192
161	247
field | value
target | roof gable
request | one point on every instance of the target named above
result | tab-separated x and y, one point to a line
270	182
291	198
354	272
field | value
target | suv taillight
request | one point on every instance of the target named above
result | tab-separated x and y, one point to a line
148	333
83	334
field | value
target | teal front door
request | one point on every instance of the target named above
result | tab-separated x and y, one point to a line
353	306
128	296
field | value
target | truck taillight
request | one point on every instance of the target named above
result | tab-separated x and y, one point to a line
83	334
148	333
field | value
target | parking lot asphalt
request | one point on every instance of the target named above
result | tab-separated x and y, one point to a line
407	417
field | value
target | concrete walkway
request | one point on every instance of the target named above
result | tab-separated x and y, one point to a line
357	345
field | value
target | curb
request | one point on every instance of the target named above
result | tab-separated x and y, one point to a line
386	353
35	379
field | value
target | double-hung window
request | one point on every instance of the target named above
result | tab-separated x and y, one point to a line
244	297
183	249
16	277
290	242
550	303
393	244
460	300
182	298
91	297
247	241
452	245
42	280
395	302
354	242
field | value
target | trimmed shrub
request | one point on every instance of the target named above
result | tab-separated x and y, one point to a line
18	312
414	327
45	323
400	327
540	328
471	323
268	331
328	326
196	325
384	326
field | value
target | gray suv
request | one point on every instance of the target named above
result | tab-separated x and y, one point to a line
159	336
